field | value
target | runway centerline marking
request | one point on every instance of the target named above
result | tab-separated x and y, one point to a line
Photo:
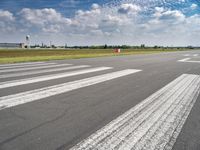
155	123
34	95
49	77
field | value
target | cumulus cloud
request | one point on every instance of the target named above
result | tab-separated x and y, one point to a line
173	15
6	21
171	26
97	20
129	9
95	6
113	20
170	16
193	6
85	21
6	16
47	19
89	14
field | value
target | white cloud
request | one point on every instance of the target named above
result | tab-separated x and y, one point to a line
47	19
6	21
113	20
129	9
89	14
6	16
193	6
159	9
171	16
85	21
95	6
174	15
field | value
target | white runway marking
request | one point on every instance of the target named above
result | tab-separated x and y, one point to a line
194	55
19	74
33	95
26	65
184	60
17	64
32	68
154	124
188	60
49	77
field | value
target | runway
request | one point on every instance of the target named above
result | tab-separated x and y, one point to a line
143	102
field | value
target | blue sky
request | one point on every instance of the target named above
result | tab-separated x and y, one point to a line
95	22
67	7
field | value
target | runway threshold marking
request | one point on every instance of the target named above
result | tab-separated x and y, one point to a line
195	55
61	68
188	60
26	65
17	64
49	77
153	124
34	95
33	68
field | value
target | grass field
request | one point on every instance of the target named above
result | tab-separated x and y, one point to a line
26	55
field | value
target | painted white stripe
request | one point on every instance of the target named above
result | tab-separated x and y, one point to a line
27	65
50	77
184	60
19	74
154	124
32	68
195	55
188	60
17	64
33	95
192	61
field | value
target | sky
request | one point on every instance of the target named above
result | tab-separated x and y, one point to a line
98	22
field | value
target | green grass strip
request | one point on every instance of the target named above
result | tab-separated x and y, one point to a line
29	55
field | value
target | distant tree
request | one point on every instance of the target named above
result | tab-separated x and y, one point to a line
53	46
155	46
190	47
125	46
142	45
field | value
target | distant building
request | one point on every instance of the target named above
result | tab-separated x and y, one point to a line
12	45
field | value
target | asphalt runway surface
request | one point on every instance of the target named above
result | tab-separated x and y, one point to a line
124	102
